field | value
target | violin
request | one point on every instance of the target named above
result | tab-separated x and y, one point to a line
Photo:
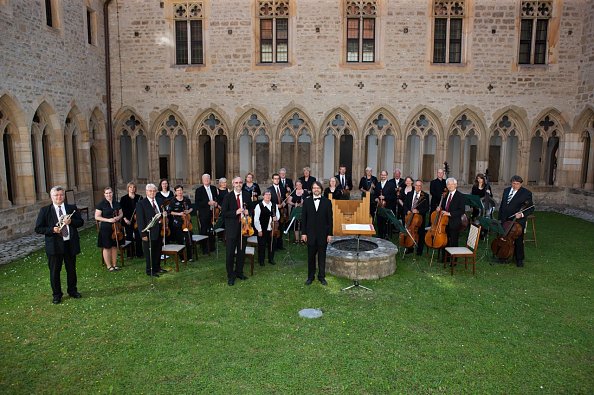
381	201
412	223
165	230
187	220
436	237
503	245
276	233
254	196
118	230
284	212
247	229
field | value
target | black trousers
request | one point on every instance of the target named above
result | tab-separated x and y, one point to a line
133	235
206	230
382	226
153	261
453	236
234	261
519	246
316	249
55	267
266	243
183	238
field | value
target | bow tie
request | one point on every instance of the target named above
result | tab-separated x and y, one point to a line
316	199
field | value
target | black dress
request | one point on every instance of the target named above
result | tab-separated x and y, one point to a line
176	222
481	194
336	195
253	190
104	239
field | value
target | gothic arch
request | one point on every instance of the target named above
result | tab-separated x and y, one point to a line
584	126
548	121
295	142
253	139
464	152
16	180
423	121
211	126
170	146
422	148
381	134
75	127
132	156
546	138
98	159
506	142
338	142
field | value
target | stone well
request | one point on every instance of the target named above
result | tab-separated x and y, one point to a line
377	258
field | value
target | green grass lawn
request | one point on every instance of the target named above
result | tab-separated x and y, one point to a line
505	330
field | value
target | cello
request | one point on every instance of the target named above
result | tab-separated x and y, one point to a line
436	237
412	223
503	246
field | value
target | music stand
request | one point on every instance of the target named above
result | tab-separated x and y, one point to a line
491	225
148	228
357	230
296	213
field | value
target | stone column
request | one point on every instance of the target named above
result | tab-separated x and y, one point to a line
4	202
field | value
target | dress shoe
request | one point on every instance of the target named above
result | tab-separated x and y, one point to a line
309	281
280	249
57	300
231	282
162	271
153	274
75	295
241	276
261	263
323	282
520	263
272	263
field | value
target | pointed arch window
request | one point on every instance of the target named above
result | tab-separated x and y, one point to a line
7	174
534	31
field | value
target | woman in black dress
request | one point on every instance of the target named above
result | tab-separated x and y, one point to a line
334	189
296	200
128	205
480	188
177	208
107	213
307	179
164	195
251	187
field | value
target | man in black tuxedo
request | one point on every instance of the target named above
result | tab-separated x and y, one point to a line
278	196
384	191
285	183
345	181
398	181
515	199
453	206
316	231
206	201
232	210
151	239
61	244
417	202
436	188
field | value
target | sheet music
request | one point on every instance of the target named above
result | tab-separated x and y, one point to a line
357	227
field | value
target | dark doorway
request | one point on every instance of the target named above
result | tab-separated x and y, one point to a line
7	167
472	164
206	159
164	167
494	161
346	152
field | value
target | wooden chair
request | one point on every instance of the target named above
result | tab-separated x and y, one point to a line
251	252
468	252
530	220
71	200
175	250
125	246
196	239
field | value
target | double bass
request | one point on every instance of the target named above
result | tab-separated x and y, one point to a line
412	223
436	237
503	245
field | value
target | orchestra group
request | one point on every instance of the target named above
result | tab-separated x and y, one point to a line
245	208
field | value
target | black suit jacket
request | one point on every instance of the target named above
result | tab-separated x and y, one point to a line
521	198
436	188
228	209
389	192
274	197
144	213
457	209
400	182
347	179
288	184
201	198
316	225
54	243
422	203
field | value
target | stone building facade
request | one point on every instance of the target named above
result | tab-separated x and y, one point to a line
235	86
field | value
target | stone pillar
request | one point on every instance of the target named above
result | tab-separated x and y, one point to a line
4	202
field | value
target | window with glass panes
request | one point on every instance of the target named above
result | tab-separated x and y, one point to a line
189	44
447	31
274	31
534	29
360	31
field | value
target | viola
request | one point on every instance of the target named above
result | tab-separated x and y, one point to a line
276	233
247	229
117	233
187	220
165	230
284	212
436	237
381	201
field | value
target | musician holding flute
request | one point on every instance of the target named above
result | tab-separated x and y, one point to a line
59	222
515	197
